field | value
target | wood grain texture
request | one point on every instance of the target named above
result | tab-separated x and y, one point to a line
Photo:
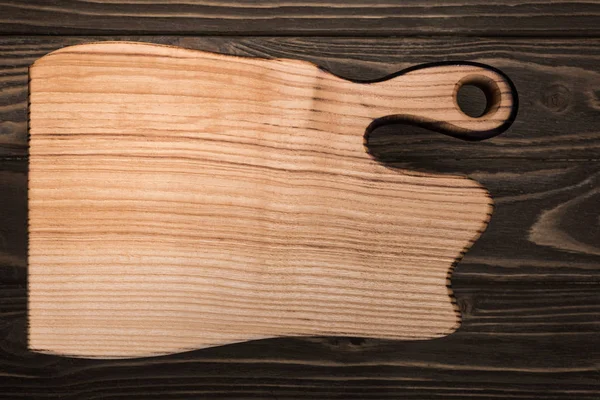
557	79
529	330
295	17
212	199
531	312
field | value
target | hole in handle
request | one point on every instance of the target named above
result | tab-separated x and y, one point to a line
472	100
477	96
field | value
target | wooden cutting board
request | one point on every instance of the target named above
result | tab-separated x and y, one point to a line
180	199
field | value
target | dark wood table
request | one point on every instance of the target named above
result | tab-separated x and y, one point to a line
529	289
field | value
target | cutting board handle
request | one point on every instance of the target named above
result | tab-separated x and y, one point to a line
427	96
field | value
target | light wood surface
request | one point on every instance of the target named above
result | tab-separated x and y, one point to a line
180	199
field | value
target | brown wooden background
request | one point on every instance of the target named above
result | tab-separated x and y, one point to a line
529	289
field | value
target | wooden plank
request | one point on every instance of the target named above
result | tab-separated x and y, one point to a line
531	310
516	340
13	217
295	17
542	228
530	317
557	81
524	192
